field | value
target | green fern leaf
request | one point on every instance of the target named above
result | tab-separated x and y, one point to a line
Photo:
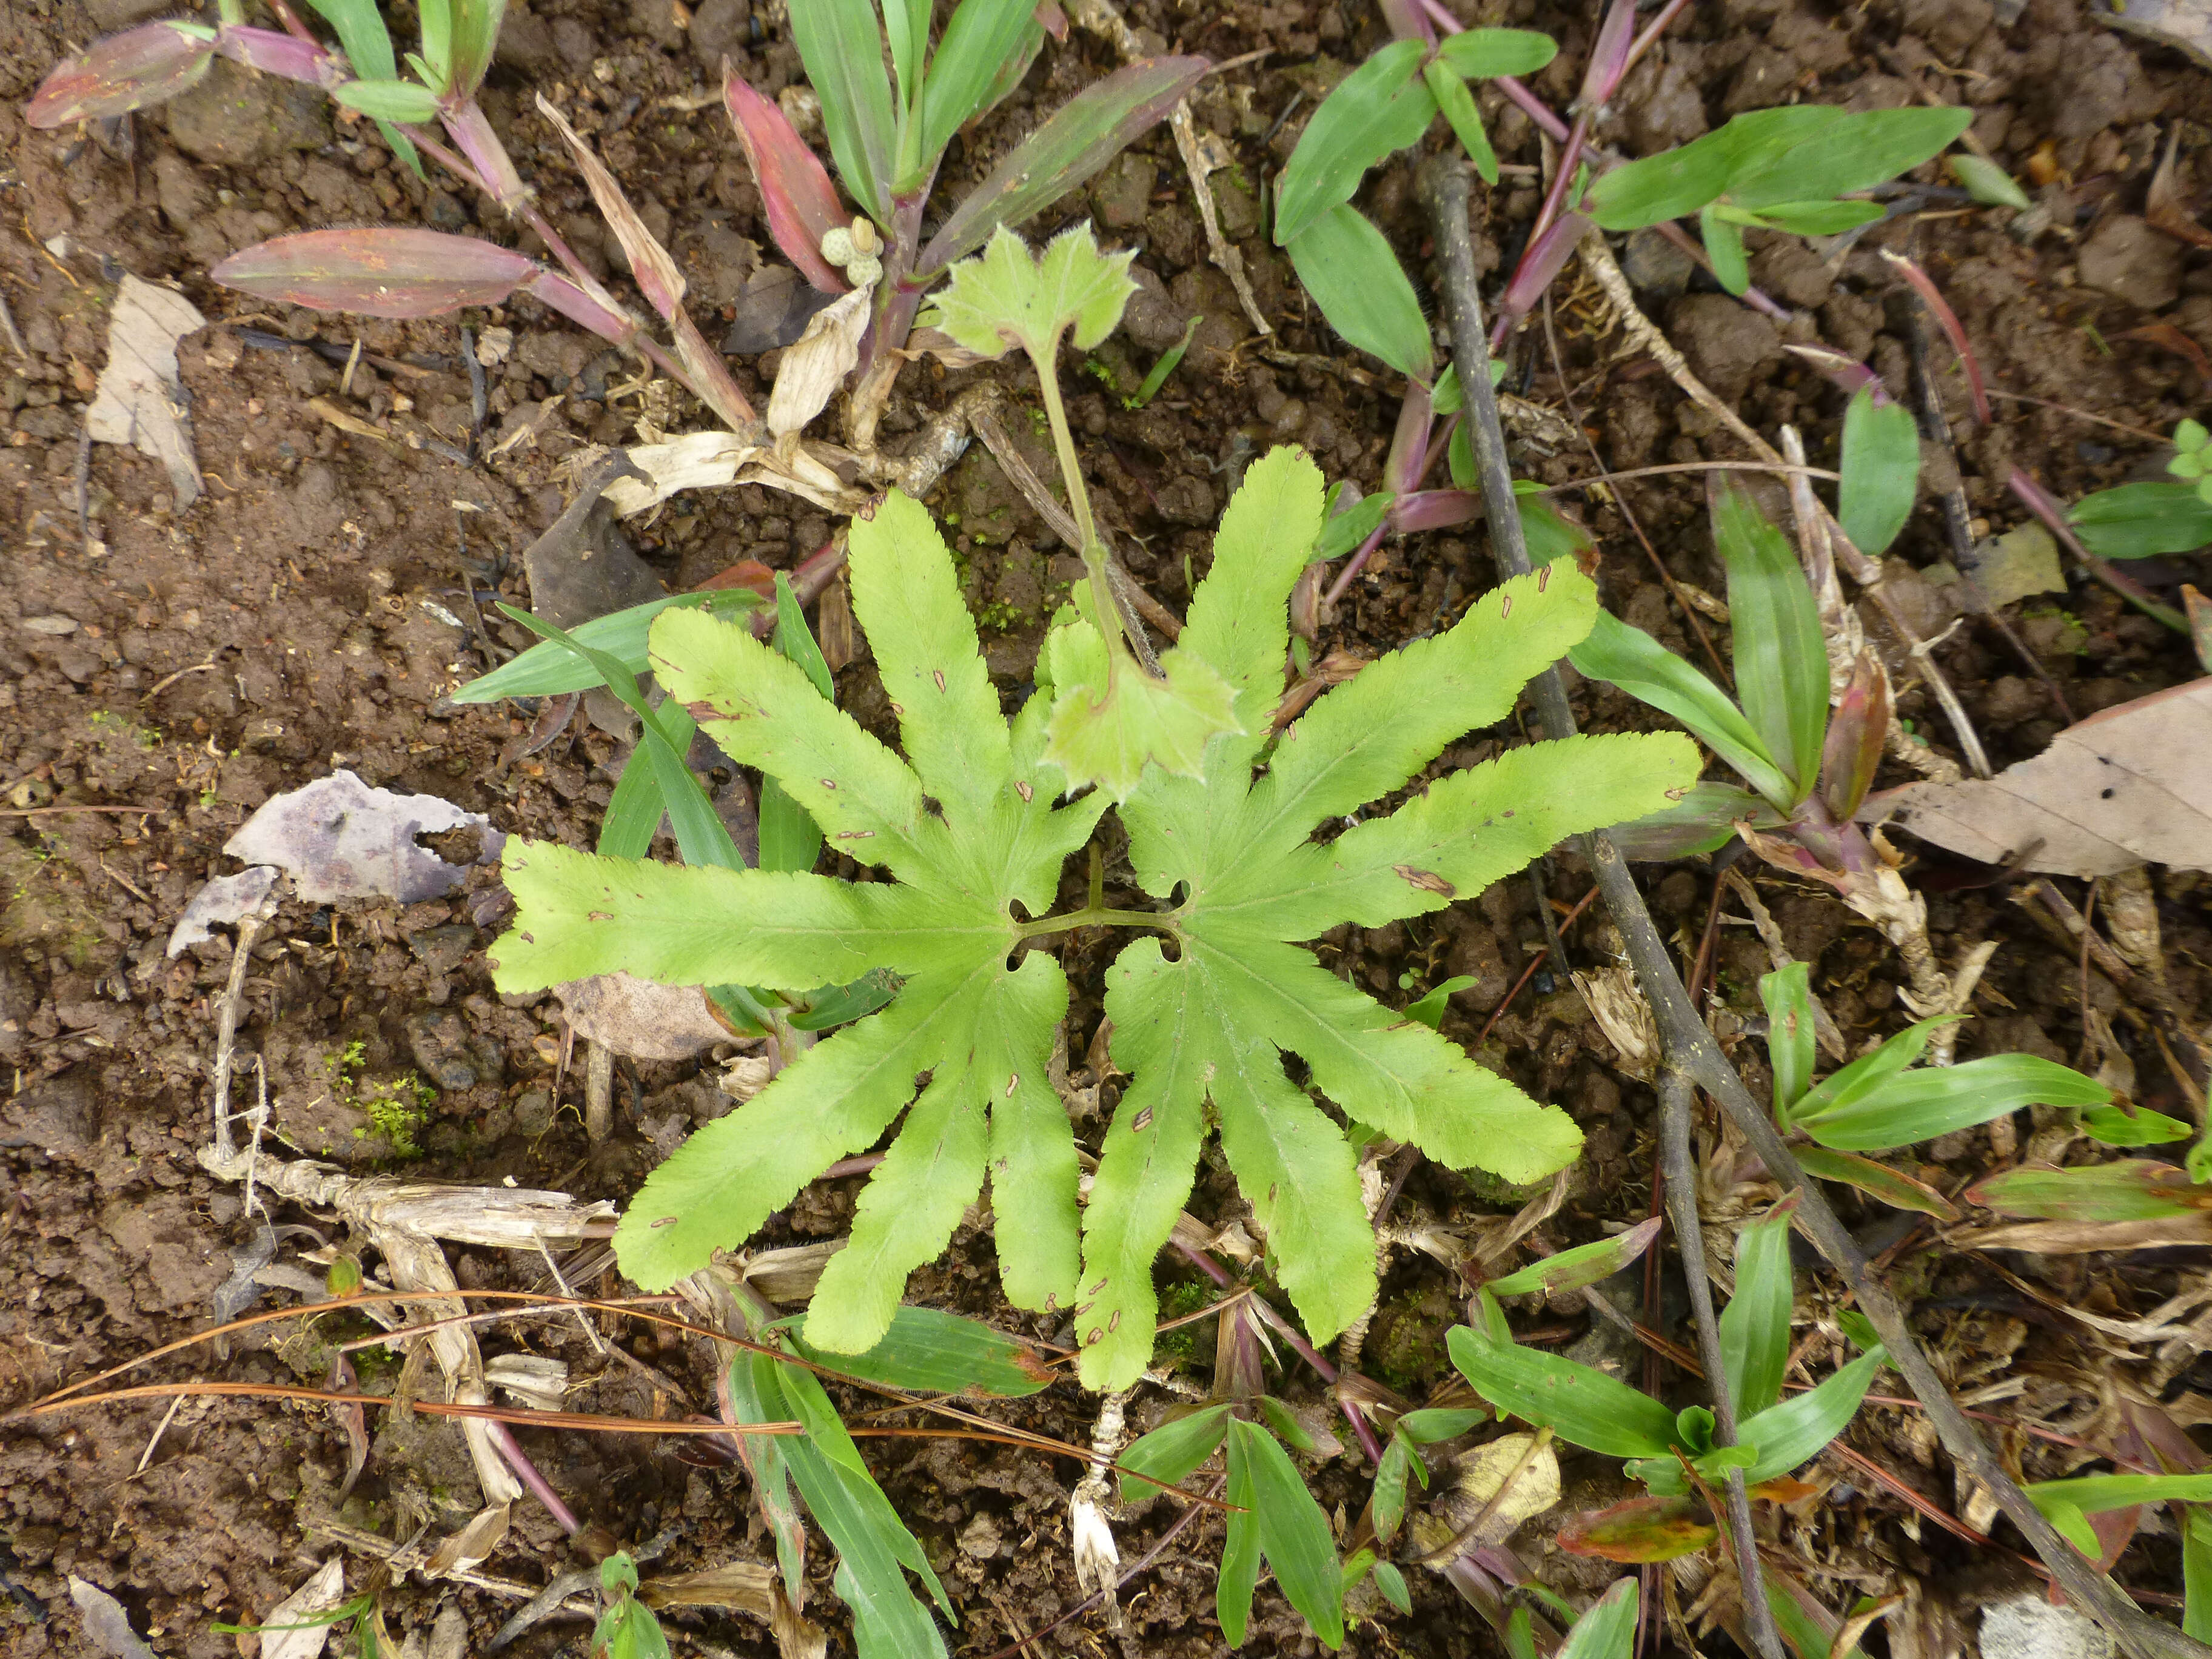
1211	1028
968	826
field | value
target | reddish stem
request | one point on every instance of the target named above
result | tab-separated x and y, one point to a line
526	1472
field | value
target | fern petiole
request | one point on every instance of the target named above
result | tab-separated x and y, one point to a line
1097	916
1110	623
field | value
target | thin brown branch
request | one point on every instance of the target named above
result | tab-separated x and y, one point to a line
1688	1048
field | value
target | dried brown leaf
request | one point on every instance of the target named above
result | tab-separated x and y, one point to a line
639	1018
141	400
2126	786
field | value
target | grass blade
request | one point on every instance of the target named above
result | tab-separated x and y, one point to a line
1354	277
1881	468
1578	1403
843	52
1378	109
1781	663
1632	659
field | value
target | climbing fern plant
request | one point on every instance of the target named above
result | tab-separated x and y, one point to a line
972	832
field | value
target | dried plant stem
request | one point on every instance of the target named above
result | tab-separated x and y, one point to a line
1598	259
1689	1050
226	1034
598	1092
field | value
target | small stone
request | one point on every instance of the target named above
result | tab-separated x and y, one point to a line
2028	1627
1654	265
2126	258
439	1038
980	1537
55	625
1123	194
442	950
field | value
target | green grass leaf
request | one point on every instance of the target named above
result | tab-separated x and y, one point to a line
842	49
550	668
1294	1532
2116	1126
1607	1630
1724	240
1788	1435
1570	1270
1792	1046
1915	1106
1755	1324
981	36
1881	471
1781	663
2142	521
1987	183
1458	104
2135	1189
1580	1404
1855	151
1378	109
1170	1452
1485	54
875	1551
1352	274
1240	1551
1893	1187
1632	659
926	1351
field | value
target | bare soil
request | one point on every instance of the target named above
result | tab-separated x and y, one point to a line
316	606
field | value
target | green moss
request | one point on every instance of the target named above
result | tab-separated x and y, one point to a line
396	1110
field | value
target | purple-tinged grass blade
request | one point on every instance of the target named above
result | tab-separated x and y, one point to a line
383	272
472	134
650	264
2136	1189
794	186
1080	137
595	310
287	56
1545	259
1846	373
1641	1530
1609	58
148	64
1954	330
1856	731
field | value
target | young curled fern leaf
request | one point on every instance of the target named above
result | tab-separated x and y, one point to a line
1213	1024
967	826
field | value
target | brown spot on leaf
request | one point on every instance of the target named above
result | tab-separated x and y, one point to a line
665	1221
1543	578
1427	880
1144	1121
829	783
1114	1319
1505	607
599	915
856	835
937	674
1023	789
1013	1083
